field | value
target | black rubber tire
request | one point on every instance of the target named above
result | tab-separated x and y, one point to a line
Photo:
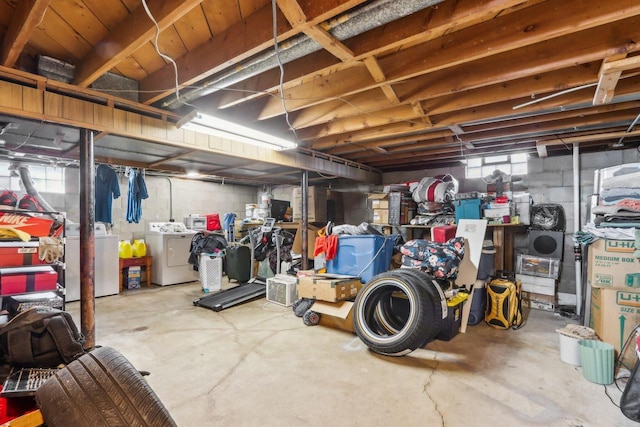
371	303
101	388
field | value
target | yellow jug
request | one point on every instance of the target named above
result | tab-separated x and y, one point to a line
125	249
139	248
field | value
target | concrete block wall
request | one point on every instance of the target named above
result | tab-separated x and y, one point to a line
181	198
549	180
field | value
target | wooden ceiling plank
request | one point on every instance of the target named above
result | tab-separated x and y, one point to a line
171	158
293	12
351	124
425	25
589	138
463	46
505	109
27	15
136	30
193	28
607	81
329	43
239	42
621	65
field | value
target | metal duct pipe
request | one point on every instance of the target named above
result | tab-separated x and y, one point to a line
345	26
27	182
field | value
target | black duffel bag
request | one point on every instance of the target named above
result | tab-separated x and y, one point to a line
41	337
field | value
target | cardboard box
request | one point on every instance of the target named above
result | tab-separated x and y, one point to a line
328	287
538	301
379	201
380	216
317	204
612	265
133	277
312	233
537	285
337	315
614	315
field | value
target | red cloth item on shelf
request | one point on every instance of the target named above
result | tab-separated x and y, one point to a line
331	247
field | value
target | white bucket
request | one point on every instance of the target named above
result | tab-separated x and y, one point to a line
569	350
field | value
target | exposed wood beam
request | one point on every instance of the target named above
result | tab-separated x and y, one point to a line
416	28
588	138
171	158
607	82
293	12
378	75
421	112
608	22
131	34
329	43
371	102
26	17
237	43
621	65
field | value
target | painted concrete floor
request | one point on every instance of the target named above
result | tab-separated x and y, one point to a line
257	364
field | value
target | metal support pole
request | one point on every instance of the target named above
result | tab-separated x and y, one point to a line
304	223
577	226
87	239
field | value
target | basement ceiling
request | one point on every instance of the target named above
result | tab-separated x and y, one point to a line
383	85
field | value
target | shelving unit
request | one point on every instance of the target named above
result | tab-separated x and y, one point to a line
28	268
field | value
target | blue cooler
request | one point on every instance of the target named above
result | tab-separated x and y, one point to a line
362	255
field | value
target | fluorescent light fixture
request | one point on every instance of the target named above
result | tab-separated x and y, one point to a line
204	123
193	174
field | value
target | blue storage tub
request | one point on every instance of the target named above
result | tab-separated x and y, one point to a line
467	209
362	255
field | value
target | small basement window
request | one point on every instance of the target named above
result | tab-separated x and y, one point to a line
511	164
46	179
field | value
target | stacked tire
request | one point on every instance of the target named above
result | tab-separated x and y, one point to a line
399	311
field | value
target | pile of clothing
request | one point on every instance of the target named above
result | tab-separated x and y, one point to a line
619	201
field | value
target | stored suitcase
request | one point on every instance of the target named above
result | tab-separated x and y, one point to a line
238	263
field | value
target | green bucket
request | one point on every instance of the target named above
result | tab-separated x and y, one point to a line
597	359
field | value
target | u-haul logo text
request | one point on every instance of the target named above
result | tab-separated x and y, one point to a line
630	299
619	246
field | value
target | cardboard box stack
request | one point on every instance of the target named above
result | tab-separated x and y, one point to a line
334	294
614	275
539	277
393	208
316	203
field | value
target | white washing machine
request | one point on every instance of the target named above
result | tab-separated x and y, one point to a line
106	262
169	243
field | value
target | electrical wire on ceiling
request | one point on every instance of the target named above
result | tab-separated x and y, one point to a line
162	55
281	67
619	144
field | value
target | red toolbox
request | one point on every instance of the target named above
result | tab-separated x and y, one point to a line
27	279
443	233
14	254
